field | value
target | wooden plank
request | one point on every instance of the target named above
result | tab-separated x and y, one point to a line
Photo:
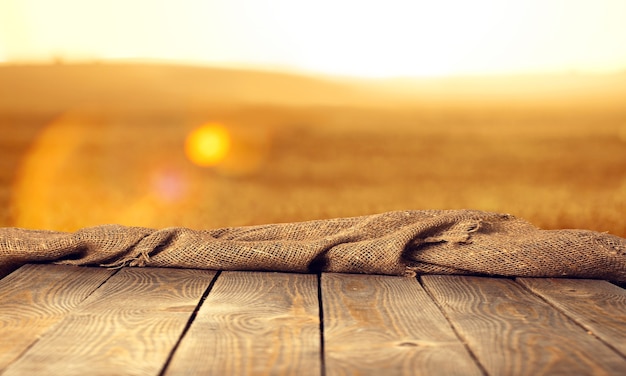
254	323
599	306
35	297
127	327
513	332
375	325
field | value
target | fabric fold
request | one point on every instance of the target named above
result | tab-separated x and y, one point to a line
395	243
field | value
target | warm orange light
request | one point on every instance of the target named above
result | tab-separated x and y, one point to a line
208	145
411	38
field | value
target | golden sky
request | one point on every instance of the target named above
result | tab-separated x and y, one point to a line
355	37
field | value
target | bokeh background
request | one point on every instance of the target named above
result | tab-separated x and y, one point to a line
227	113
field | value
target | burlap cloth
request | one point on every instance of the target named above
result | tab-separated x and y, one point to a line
397	243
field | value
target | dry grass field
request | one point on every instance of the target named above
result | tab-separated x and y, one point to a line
68	165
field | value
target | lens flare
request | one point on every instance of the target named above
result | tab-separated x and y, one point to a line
208	145
78	172
168	185
38	189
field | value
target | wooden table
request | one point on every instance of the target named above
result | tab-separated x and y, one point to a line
62	320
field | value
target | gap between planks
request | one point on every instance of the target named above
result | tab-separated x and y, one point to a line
387	325
127	326
599	307
192	317
513	331
254	323
337	323
35	298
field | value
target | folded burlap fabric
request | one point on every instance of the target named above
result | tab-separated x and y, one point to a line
397	243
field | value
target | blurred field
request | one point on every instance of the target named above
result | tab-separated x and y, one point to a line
69	167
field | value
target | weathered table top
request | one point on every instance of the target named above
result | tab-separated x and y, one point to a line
61	320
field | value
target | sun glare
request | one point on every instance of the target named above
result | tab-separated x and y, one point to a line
208	145
356	38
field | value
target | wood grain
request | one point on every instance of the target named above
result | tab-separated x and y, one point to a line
599	306
128	326
377	325
36	297
513	332
254	323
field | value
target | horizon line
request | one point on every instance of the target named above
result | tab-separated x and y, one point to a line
287	70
